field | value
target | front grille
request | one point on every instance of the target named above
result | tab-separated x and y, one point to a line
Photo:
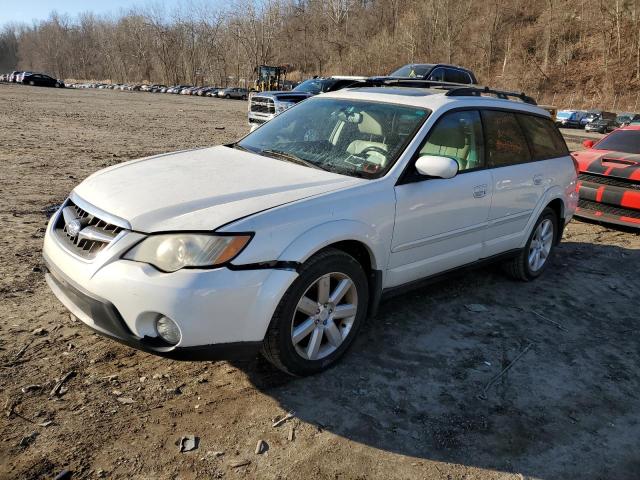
608	209
613	181
262	105
83	233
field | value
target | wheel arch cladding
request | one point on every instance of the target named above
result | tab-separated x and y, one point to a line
557	205
363	256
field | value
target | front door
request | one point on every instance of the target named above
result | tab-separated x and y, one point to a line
440	223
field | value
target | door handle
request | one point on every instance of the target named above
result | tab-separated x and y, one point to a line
537	179
479	191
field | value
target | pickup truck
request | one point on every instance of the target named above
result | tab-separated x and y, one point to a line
263	106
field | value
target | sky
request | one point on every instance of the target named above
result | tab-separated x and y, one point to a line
25	11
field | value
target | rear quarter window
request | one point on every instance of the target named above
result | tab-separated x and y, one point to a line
543	136
505	142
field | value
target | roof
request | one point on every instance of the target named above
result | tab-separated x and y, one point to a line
429	98
629	127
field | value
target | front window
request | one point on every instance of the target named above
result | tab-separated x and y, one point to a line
412	71
313	86
627	141
457	135
350	137
564	115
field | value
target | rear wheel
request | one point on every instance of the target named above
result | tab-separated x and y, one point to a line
227	96
32	83
319	316
534	257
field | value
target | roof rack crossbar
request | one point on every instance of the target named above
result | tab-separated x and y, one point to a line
453	89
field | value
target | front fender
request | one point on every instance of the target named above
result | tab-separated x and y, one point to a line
325	234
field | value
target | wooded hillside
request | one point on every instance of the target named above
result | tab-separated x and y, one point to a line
586	53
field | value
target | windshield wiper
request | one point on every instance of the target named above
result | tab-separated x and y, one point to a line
291	158
237	145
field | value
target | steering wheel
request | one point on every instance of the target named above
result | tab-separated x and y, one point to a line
373	148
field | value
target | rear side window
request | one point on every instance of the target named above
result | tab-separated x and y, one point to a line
457	76
437	75
544	138
505	143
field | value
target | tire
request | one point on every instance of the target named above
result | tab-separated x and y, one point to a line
227	97
331	336
32	83
244	97
520	267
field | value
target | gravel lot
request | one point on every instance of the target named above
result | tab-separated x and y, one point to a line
403	404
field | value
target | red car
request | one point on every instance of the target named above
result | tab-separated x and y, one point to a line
609	178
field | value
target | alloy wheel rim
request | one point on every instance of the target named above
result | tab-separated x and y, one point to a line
324	316
540	246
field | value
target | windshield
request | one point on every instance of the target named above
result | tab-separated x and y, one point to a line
350	137
412	71
563	114
314	86
627	141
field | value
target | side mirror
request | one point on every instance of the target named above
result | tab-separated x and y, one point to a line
437	166
588	144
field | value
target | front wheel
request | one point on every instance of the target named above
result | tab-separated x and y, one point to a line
534	257
227	97
319	316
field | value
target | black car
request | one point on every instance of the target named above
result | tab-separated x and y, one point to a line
602	125
440	72
42	80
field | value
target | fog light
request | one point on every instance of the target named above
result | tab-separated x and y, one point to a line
168	330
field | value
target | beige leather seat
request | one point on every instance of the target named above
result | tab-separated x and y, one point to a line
369	127
449	142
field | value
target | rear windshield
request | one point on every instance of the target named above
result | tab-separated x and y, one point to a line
627	141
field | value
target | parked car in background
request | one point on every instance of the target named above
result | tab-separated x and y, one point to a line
285	241
601	125
440	72
593	115
609	178
627	118
263	106
41	80
570	118
234	92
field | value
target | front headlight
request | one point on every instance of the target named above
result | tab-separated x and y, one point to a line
172	251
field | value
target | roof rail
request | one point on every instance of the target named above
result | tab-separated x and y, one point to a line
479	91
453	89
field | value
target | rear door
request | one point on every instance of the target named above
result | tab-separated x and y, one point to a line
440	223
519	149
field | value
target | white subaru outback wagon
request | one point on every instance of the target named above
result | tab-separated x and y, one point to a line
285	241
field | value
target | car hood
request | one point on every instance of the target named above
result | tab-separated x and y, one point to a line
609	163
202	189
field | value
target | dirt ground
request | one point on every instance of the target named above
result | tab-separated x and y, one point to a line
406	402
